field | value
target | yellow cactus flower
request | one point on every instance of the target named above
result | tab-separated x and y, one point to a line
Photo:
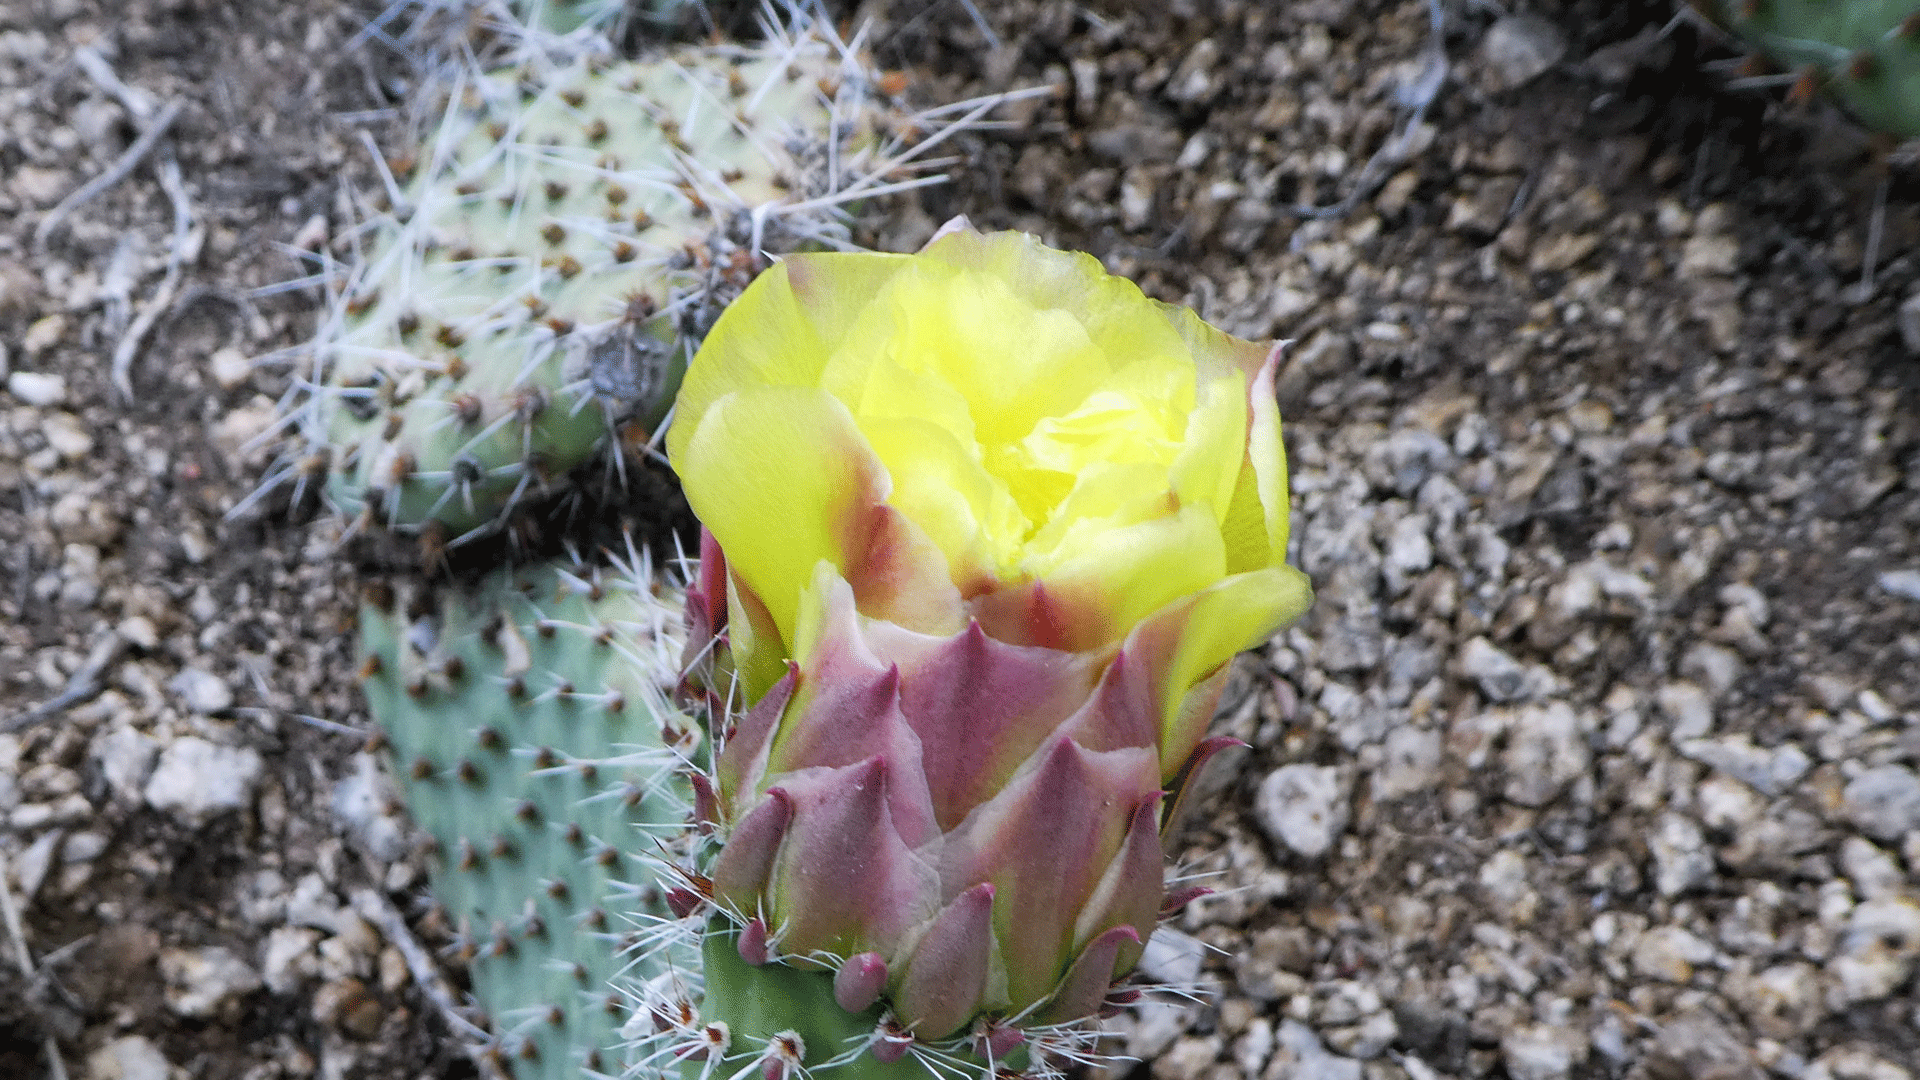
990	429
989	523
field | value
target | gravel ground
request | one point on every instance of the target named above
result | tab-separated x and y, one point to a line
1596	758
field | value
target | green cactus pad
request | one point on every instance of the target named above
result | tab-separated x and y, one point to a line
565	237
1865	53
526	724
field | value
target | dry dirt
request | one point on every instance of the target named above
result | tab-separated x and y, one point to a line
1595	759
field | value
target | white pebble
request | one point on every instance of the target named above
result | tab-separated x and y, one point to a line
1884	802
200	981
1902	583
196	778
37	388
132	1058
203	691
1303	807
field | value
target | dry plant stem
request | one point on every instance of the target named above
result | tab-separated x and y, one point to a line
118	171
84	684
186	245
377	910
10	914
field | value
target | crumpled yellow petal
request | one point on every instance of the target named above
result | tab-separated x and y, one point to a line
1208	464
941	486
1233	614
1107	577
784	478
778	332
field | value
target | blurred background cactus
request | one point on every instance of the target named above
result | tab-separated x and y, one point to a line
1865	54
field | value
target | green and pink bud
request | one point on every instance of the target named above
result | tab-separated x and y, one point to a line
989	525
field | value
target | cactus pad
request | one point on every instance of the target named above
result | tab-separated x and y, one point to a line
527	724
1864	53
563	240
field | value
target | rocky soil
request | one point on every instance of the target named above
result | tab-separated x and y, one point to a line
1596	758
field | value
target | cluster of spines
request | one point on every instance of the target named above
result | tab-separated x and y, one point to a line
1863	53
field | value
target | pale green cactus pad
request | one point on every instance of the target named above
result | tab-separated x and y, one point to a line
566	235
1864	53
530	732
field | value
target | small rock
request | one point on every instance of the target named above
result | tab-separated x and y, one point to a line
1713	255
1546	751
230	367
1411	763
1909	320
1668	953
1688	709
1541	1052
41	336
203	691
1782	1002
201	981
1188	1059
1712	666
131	1058
83	847
1874	873
1367	1039
1680	857
37	389
1501	677
67	435
1854	1063
1770	772
287	958
30	867
1883	802
1902	583
1727	804
196	779
1518	49
1699	1046
348	1005
1300	1056
1504	877
38	186
139	631
1878	953
126	758
1303	807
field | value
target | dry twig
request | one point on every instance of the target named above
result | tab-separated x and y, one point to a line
10	914
118	171
377	910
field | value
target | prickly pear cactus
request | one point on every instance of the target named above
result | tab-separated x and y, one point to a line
528	726
1865	53
566	236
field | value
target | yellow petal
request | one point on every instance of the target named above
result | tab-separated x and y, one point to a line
1107	578
1208	464
940	484
784	479
779	332
1012	362
1235	613
1269	457
1122	323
